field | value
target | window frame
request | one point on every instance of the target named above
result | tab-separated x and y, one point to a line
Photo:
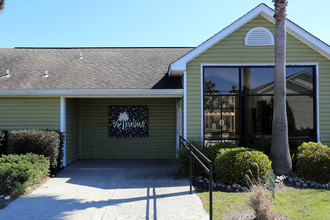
315	96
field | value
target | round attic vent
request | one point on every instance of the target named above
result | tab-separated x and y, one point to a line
259	36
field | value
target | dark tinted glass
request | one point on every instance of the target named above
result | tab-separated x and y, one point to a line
221	80
299	80
258	80
228	102
300	116
257	116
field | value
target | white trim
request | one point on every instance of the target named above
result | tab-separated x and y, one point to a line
263	29
268	13
178	124
202	106
79	106
317	102
85	93
185	105
63	127
269	64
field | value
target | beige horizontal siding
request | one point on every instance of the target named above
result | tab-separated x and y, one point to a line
21	113
95	142
232	50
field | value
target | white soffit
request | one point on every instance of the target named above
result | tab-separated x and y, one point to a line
179	66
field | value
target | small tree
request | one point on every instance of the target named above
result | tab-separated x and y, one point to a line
280	153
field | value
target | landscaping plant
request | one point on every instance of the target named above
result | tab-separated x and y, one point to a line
42	142
313	161
232	165
212	151
261	202
17	172
182	160
2	142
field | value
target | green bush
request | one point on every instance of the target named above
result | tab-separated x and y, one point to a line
17	172
42	142
313	161
212	151
182	160
2	142
232	165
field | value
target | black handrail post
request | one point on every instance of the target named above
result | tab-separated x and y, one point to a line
211	189
190	169
209	170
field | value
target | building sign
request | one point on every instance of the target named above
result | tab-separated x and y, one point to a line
128	121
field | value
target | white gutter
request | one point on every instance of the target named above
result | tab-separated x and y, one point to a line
80	93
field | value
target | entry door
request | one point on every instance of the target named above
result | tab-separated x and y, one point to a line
178	123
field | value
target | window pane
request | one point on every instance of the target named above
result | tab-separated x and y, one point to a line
299	80
258	80
257	116
229	102
213	142
221	80
221	123
300	116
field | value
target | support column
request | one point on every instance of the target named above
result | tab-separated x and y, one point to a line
63	128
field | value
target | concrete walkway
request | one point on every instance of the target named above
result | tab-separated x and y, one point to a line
118	189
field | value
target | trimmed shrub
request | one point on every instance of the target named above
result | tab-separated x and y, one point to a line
2	142
17	172
182	160
232	165
212	151
42	142
313	161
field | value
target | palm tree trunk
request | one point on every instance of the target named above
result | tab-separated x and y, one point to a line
2	5
280	154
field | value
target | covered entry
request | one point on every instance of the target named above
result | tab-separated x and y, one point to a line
87	129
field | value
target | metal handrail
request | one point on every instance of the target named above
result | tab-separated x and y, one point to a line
192	150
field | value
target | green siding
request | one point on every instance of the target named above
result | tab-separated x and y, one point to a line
95	142
232	50
20	113
72	130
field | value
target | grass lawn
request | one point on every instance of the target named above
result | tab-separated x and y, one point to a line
296	204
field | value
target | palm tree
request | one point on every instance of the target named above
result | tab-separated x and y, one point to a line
280	153
2	5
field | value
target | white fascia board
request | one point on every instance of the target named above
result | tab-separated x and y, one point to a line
80	93
307	38
266	12
180	64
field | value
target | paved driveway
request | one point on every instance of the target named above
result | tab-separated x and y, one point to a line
91	189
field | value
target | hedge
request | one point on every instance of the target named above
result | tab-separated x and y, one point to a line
2	142
212	151
42	142
232	165
17	172
182	160
313	161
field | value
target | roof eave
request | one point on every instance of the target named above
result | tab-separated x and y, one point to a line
81	93
180	65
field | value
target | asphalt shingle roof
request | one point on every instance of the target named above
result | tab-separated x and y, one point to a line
100	68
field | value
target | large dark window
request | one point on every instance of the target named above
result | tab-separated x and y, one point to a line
238	103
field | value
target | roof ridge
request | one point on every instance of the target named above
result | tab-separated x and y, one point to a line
63	48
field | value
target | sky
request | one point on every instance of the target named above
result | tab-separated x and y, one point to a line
138	23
